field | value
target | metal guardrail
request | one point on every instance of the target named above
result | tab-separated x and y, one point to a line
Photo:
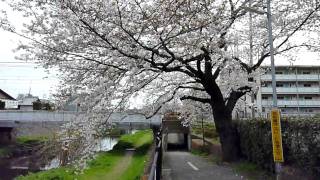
155	172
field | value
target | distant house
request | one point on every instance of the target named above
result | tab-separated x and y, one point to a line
10	102
26	103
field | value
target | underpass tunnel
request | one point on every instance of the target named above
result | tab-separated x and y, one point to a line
177	141
176	136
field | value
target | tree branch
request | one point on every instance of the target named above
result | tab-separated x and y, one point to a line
299	26
203	100
235	95
190	87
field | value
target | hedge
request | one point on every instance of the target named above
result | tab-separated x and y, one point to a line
301	142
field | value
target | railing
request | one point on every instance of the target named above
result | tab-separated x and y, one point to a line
292	103
291	90
155	172
291	77
29	116
36	116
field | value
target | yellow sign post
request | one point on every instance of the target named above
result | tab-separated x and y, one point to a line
276	136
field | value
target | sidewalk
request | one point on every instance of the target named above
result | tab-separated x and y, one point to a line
179	165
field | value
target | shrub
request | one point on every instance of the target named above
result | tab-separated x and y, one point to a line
300	138
37	105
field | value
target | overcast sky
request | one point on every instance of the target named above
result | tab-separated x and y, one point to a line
20	77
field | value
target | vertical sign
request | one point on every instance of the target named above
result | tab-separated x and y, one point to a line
276	135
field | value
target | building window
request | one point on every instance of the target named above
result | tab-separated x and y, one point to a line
306	85
279	72
307	97
280	97
306	72
279	85
264	97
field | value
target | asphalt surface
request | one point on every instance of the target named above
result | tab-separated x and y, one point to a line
179	165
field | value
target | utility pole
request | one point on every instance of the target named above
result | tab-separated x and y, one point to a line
273	71
203	142
275	113
274	91
251	57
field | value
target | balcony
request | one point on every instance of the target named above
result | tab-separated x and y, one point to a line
291	90
292	103
291	77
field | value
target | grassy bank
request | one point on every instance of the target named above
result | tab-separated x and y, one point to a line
4	152
31	139
208	130
21	141
116	164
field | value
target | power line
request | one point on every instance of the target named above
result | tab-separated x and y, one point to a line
10	62
47	79
23	66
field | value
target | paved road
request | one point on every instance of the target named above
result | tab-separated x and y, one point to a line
186	166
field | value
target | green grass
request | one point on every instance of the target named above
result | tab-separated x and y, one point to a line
106	163
204	152
31	139
209	132
137	139
4	152
246	167
135	170
251	171
101	166
198	152
53	174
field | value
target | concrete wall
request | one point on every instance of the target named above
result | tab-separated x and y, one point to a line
37	128
44	122
24	116
37	116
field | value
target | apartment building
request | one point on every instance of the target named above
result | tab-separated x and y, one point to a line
298	91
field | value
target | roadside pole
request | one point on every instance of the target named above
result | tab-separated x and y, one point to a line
203	142
275	114
251	58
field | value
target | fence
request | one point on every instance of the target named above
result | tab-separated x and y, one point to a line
36	116
155	172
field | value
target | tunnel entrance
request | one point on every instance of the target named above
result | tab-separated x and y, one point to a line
177	141
6	135
175	135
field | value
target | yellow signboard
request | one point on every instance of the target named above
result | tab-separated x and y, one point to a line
276	136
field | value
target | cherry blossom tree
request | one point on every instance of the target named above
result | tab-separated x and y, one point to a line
111	52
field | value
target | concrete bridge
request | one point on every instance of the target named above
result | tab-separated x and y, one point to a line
28	122
65	116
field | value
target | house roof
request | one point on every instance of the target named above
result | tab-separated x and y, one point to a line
28	101
6	95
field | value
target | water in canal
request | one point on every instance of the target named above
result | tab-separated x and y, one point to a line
21	165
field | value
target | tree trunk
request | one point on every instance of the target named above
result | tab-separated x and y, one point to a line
229	138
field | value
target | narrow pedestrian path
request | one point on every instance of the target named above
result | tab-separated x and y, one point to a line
178	165
120	168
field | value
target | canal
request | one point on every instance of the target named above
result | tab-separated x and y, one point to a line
22	161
